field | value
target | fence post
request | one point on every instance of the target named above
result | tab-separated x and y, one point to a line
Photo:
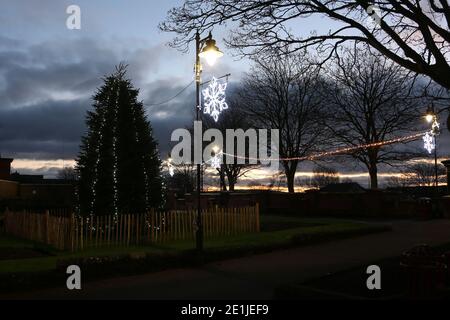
72	230
81	234
128	228
257	217
109	230
47	234
96	231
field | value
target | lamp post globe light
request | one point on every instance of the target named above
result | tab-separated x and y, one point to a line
210	52
429	117
204	49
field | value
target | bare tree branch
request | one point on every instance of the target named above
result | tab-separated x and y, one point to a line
414	34
370	102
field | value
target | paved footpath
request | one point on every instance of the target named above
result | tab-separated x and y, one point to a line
255	277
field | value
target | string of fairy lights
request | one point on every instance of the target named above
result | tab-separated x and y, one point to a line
215	103
336	151
216	160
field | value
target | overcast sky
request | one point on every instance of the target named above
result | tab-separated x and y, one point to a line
49	73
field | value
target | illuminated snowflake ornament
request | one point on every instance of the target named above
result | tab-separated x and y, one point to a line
170	167
171	171
428	142
216	161
214	99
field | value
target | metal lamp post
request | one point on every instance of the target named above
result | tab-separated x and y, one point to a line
204	48
432	117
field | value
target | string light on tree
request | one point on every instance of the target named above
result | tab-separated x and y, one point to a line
214	98
118	151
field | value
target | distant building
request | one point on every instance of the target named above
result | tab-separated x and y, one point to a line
5	168
32	191
344	187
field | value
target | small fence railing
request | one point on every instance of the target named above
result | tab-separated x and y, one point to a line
71	232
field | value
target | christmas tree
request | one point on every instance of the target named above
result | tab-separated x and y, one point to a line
118	164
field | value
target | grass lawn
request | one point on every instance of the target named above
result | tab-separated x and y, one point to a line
48	261
303	229
276	232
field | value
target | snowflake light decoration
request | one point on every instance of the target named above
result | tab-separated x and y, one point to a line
214	98
171	170
428	142
170	167
216	161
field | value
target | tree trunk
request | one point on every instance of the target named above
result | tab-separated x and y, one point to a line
231	180
290	168
373	172
290	176
223	184
290	182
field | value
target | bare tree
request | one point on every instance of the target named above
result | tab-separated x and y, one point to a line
67	173
414	34
419	174
283	92
323	176
370	102
232	118
183	179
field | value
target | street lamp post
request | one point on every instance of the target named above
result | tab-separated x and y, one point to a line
204	48
432	118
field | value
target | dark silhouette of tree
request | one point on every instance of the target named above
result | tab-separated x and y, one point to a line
284	92
232	118
414	34
369	102
418	174
183	179
67	173
323	176
118	163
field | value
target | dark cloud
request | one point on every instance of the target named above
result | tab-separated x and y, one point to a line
46	90
166	117
52	71
50	130
8	43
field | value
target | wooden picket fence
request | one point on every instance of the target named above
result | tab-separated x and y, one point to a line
70	232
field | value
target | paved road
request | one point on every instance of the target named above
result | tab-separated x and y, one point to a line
255	277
